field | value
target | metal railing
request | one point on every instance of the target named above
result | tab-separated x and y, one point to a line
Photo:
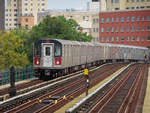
20	74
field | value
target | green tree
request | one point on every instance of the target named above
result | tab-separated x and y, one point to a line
11	53
59	28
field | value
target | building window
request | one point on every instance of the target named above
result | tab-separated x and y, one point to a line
97	30
117	29
128	18
142	18
107	29
85	18
117	19
122	19
132	29
132	19
148	18
107	39
122	29
117	39
117	8
132	7
15	10
132	38
102	39
142	7
112	29
122	39
112	39
148	6
148	28
112	19
137	28
116	1
102	29
94	20
138	18
137	38
94	30
128	38
107	20
142	28
26	19
102	20
143	38
148	38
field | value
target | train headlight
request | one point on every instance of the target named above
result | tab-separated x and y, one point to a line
37	62
57	62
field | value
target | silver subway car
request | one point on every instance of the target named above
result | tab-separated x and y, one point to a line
53	57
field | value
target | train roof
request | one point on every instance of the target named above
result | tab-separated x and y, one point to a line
69	42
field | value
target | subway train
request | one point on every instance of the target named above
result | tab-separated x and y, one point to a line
54	57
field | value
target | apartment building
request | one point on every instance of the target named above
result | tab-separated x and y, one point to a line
15	9
114	5
2	15
95	27
125	27
83	18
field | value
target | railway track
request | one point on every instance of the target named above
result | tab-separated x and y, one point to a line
31	85
54	99
119	96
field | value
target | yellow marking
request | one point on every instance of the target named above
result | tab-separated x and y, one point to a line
56	101
86	71
64	97
79	98
146	107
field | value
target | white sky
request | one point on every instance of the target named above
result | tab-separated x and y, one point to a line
67	4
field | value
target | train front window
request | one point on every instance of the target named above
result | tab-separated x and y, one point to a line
57	50
37	51
47	51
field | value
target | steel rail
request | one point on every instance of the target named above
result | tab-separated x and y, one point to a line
99	106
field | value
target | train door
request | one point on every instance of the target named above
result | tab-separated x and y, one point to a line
47	55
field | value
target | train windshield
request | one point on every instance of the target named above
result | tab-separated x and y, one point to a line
57	50
37	51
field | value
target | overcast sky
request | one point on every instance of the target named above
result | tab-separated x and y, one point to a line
66	4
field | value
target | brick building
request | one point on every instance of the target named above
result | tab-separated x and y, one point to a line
26	21
125	27
2	14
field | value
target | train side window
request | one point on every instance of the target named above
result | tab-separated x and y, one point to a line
47	51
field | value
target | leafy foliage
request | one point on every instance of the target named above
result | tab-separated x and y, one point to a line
11	53
59	28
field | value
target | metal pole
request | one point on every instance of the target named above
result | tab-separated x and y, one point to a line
12	89
87	85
